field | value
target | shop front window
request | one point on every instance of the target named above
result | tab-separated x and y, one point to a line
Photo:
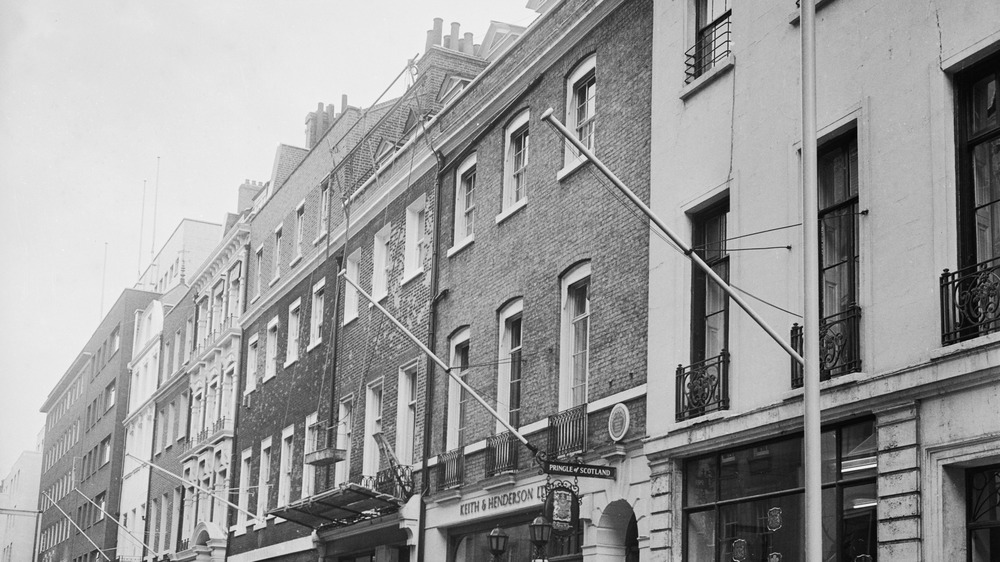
984	513
748	503
472	546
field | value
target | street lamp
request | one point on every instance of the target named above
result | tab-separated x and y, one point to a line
497	540
540	530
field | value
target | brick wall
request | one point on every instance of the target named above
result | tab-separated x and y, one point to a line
563	223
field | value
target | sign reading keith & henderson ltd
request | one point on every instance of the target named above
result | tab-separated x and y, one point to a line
505	499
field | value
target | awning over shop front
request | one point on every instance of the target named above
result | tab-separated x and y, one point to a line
339	507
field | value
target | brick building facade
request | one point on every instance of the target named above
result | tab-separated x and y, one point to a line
542	298
84	415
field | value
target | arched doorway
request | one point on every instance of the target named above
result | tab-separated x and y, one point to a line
617	534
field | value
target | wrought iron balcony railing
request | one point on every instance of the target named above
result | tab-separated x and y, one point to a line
568	432
711	47
970	302
384	481
219	428
451	469
501	453
703	387
839	345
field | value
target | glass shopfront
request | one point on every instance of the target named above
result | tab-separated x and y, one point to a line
748	503
470	544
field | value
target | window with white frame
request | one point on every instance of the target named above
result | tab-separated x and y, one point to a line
509	364
351	301
373	425
310	445
316	313
244	502
345	428
285	465
515	181
251	370
381	263
260	271
234	294
324	209
465	202
406	414
457	396
277	254
581	107
414	247
300	214
264	478
271	349
294	316
574	357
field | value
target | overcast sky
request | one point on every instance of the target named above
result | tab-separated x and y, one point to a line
91	93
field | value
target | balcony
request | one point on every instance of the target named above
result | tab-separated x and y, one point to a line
385	482
703	387
710	48
451	471
839	345
501	454
324	451
568	432
218	430
970	302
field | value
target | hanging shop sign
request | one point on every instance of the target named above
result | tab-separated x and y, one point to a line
618	422
562	508
580	470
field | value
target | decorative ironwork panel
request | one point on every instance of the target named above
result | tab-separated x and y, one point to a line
970	302
501	453
568	432
703	387
451	469
839	345
711	47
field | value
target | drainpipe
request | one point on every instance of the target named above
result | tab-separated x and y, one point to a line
332	349
425	477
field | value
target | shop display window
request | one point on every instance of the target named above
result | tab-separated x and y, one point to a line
748	503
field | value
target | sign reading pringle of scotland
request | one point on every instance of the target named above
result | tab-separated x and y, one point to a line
563	510
580	470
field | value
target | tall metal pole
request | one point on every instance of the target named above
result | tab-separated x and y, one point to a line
120	526
440	363
197	487
688	251
810	264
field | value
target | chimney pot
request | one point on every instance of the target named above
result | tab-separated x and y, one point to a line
430	41
438	26
467	44
343	103
455	29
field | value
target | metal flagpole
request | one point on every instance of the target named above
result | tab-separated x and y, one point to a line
192	484
70	519
106	514
688	251
811	315
440	363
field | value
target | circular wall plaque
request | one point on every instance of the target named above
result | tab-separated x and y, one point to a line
618	422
